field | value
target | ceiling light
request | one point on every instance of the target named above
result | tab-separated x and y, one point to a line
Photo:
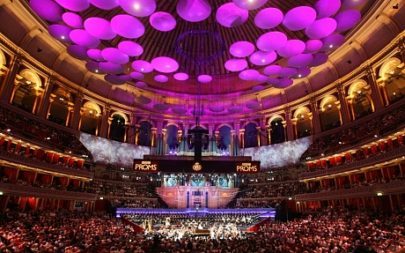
8	130
137	6
330	46
379	194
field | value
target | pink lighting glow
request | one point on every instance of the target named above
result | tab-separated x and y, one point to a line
300	60
250	4
321	28
260	58
114	55
95	54
230	15
99	28
104	4
193	10
299	18
83	38
130	48
327	8
347	20
47	9
127	26
313	45
162	21
272	70
74	5
241	49
142	66
161	78
269	18
271	41
249	75
77	51
138	8
137	75
236	65
165	64
291	48
60	32
181	76
204	78
72	19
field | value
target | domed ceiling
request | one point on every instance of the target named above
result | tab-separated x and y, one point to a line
207	47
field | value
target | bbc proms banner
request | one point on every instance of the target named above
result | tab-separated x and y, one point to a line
113	152
279	155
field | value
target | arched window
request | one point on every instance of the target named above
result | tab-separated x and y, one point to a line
171	135
90	118
393	78
224	138
59	107
303	122
359	93
27	91
251	134
145	134
277	130
117	127
329	113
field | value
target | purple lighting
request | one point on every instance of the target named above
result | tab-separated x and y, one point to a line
313	45
321	28
230	15
127	26
165	64
272	70
204	78
114	55
283	83
250	4
99	28
78	52
161	78
60	32
72	19
333	41
249	75
74	5
300	60
47	9
137	75
319	59
327	8
260	58
83	38
104	4
269	18
138	8
347	20
110	67
291	48
236	65
241	49
271	41
130	48
299	18
162	21
181	76
142	66
95	54
117	79
193	10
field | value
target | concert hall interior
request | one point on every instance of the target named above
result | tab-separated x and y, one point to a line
202	126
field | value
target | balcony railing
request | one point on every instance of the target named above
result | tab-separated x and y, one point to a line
395	153
31	191
393	187
33	163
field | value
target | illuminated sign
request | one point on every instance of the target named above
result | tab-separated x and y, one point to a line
247	168
146	166
197	166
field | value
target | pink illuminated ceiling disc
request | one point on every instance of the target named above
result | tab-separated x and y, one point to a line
261	78
83	38
347	20
287	72
77	51
72	19
271	41
105	4
269	18
327	8
130	48
112	68
236	65
114	55
137	75
260	58
272	70
165	64
204	78
283	83
162	21
99	28
161	78
313	46
333	41
95	54
321	28
241	49
300	60
250	4
142	85
258	88
230	15
299	18
291	48
117	79
127	26
181	76
47	9
319	59
303	72
249	74
93	67
142	66
351	4
60	32
193	10
74	5
138	8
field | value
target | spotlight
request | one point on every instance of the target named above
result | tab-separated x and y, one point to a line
379	194
1	193
101	198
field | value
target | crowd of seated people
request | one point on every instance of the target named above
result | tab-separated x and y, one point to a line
376	126
333	230
274	190
110	188
136	203
40	132
257	203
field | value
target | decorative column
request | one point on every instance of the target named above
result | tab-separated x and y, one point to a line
70	107
232	145
258	136
9	83
289	126
46	103
132	129
105	122
294	123
242	138
344	107
38	98
316	122
375	93
268	130
74	123
48	110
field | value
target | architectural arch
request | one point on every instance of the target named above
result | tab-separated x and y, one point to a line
329	112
